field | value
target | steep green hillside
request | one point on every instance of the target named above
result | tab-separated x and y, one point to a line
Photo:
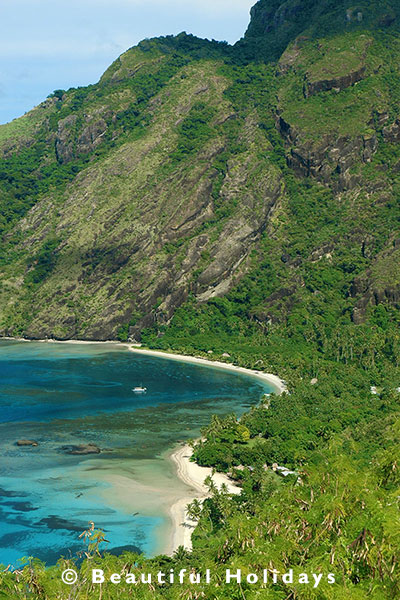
243	200
163	182
134	181
276	23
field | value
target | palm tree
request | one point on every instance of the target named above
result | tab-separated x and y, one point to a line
193	510
209	482
181	554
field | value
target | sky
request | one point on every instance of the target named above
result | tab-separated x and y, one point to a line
57	44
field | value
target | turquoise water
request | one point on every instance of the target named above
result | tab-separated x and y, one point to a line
63	394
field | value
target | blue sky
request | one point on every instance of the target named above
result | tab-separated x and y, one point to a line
51	44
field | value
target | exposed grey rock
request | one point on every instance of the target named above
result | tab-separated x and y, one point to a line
70	143
64	139
91	136
329	155
338	83
391	133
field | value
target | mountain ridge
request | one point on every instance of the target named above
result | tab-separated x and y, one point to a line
169	128
276	23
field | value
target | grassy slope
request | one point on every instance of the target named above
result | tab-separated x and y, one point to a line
144	205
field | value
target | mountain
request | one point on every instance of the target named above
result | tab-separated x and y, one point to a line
240	202
275	24
156	187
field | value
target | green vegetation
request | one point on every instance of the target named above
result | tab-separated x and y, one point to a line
341	519
28	174
275	24
194	131
43	262
206	197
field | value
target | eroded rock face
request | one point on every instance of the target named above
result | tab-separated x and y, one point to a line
73	140
391	133
329	159
227	254
338	83
64	139
271	15
378	285
266	17
91	136
372	296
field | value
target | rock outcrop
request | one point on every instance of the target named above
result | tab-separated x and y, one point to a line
337	83
391	133
64	145
378	285
328	159
74	139
81	449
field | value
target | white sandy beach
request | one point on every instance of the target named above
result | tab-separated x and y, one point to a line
193	475
270	378
189	472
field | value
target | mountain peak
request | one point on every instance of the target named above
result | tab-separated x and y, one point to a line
275	23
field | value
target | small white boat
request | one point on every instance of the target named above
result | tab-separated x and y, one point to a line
139	389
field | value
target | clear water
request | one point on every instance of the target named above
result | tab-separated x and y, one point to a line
63	394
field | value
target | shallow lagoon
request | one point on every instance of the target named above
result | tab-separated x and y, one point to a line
63	394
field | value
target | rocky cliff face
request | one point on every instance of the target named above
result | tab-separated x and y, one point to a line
137	232
380	284
329	160
70	143
275	23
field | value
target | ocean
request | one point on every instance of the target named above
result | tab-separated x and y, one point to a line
61	395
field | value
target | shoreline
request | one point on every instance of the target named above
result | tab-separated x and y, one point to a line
270	378
193	476
54	341
278	383
190	473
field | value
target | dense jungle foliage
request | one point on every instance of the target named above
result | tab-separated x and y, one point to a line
301	115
